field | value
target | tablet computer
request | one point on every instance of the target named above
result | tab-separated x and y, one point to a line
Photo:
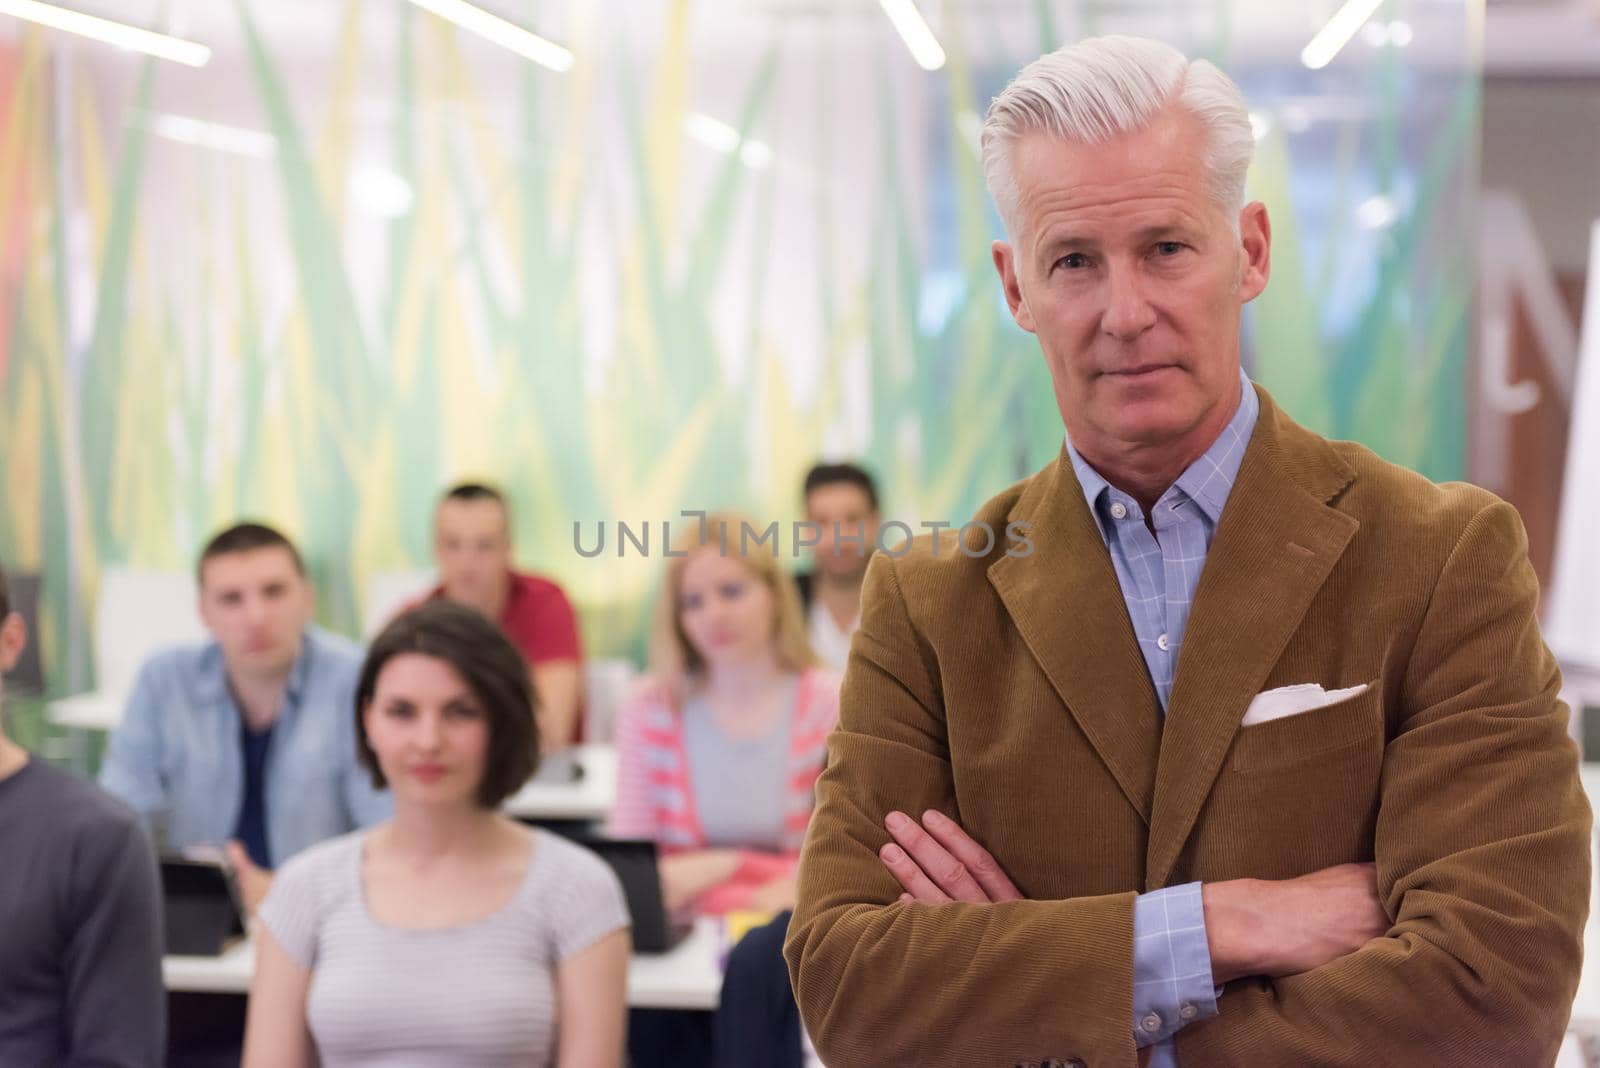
200	905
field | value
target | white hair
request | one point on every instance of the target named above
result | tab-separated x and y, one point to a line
1102	87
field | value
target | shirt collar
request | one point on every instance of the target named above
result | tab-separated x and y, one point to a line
212	684
1207	481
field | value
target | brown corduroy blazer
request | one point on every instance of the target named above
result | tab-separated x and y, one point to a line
1009	693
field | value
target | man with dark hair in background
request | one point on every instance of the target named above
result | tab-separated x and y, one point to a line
248	741
842	502
472	547
80	919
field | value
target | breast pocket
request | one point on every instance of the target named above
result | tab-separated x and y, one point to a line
1311	737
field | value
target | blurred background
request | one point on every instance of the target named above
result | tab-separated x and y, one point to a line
668	262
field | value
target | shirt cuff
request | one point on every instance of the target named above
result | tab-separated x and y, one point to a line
1171	963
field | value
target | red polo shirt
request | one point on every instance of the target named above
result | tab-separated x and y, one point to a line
538	619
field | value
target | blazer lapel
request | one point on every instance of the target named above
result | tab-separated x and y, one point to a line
1066	603
1274	548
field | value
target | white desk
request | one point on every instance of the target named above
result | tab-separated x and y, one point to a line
689	977
590	798
95	711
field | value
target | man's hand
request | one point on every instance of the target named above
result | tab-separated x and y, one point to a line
1253	926
1262	927
938	861
253	881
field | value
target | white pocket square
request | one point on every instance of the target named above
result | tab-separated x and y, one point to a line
1293	700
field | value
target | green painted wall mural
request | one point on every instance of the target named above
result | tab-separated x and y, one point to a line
362	254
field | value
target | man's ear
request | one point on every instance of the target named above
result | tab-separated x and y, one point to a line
1255	243
1005	263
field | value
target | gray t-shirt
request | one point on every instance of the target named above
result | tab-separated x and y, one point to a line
80	927
476	995
741	785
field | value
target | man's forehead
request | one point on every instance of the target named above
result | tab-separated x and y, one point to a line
838	495
1166	158
474	514
270	563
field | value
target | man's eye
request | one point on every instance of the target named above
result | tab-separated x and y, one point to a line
1073	261
1169	248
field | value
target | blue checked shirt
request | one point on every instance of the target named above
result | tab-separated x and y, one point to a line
1158	574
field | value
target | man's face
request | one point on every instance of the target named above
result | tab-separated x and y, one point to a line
472	546
845	504
256	604
1132	279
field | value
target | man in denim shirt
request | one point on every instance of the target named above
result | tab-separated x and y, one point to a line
248	741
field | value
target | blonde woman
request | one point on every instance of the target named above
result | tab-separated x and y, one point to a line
719	750
451	936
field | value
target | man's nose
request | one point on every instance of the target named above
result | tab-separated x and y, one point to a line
1128	312
255	610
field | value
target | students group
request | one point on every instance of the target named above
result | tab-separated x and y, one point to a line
357	798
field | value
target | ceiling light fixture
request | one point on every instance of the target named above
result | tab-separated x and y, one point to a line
914	31
525	43
1331	39
160	45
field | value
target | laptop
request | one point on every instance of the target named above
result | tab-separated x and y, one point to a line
200	906
635	862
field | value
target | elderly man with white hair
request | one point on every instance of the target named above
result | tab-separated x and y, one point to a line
1256	758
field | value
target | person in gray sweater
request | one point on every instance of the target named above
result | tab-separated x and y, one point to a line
80	913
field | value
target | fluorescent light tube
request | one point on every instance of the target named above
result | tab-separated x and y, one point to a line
525	43
1332	38
913	30
120	34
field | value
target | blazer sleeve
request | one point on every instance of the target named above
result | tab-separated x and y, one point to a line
1482	849
883	982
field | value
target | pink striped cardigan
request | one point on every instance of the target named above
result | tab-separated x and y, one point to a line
655	799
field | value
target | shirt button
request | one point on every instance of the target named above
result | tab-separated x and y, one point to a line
1151	1023
1188	1012
1119	510
1162	643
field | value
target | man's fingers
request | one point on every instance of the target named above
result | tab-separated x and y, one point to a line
996	885
936	862
918	886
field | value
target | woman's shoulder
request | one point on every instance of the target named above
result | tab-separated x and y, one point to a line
573	898
566	859
818	697
324	866
566	872
650	707
651	689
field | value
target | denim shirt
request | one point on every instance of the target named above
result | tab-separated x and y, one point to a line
176	757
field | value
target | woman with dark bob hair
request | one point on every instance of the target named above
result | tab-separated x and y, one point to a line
451	935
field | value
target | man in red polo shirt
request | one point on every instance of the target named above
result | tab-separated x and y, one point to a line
472	547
